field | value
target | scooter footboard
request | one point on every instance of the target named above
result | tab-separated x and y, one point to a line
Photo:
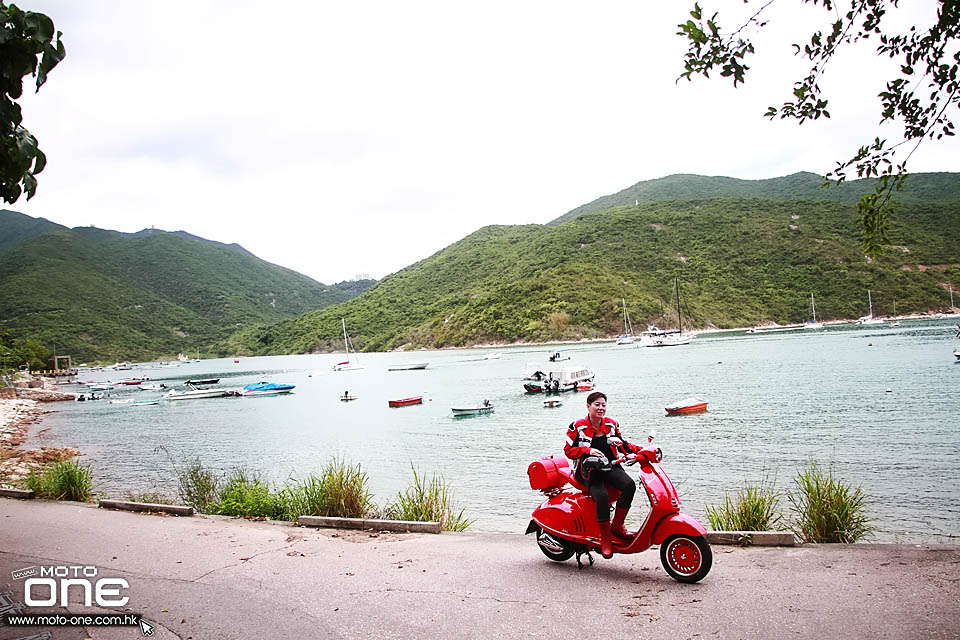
677	523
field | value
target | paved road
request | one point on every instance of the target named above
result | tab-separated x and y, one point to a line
208	578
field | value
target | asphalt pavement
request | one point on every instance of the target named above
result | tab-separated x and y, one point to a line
215	577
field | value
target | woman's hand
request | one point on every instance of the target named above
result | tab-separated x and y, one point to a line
599	454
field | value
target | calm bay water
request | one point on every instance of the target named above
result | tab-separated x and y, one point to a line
777	402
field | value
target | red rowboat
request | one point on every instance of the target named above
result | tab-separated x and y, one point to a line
687	405
406	401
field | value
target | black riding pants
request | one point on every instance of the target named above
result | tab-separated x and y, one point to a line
597	482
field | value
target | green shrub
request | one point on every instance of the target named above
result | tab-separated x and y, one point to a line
245	495
428	502
827	510
197	486
64	480
753	509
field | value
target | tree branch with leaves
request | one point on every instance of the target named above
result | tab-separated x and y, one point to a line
29	45
923	98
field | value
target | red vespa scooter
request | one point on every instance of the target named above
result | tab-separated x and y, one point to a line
566	523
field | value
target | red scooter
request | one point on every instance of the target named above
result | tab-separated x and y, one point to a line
566	523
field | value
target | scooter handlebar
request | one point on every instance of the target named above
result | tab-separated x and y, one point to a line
648	454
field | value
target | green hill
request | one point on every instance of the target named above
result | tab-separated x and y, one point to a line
104	295
740	261
16	228
920	187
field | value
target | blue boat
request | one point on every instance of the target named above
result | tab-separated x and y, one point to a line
266	389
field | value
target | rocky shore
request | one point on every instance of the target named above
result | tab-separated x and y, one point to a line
16	418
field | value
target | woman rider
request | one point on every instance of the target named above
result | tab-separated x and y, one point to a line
593	443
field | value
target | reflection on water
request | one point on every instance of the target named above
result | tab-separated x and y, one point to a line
777	402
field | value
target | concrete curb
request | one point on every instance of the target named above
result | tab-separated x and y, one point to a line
123	505
752	538
407	526
22	494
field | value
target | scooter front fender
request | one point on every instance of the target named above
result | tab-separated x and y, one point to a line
675	523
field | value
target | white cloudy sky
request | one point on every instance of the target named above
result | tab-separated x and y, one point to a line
340	138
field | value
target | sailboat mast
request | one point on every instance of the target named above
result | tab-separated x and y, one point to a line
814	307
870	302
346	346
676	279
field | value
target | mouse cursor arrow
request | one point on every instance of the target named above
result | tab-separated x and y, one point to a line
146	628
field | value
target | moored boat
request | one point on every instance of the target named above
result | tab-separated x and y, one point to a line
533	386
550	404
200	381
195	394
480	409
408	366
266	389
687	405
566	379
405	402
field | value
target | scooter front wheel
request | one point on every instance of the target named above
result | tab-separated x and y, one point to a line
686	558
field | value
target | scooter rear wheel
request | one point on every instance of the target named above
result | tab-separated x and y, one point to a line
565	552
686	558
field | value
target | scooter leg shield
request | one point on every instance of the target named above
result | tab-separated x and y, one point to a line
677	523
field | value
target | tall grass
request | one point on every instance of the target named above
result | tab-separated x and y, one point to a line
197	486
753	509
64	480
340	489
428	501
826	509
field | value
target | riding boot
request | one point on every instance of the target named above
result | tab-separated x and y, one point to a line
616	527
606	545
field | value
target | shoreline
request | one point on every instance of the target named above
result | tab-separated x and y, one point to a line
16	463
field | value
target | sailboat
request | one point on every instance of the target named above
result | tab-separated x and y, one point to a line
672	338
348	364
627	337
869	319
813	324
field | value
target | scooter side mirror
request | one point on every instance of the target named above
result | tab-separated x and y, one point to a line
653	434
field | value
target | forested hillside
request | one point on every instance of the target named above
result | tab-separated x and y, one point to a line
104	295
920	187
739	261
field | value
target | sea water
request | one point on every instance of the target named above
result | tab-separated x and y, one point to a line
878	406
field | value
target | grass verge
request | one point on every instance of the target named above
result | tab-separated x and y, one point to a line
826	509
64	480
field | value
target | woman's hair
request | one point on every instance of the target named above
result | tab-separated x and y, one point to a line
596	394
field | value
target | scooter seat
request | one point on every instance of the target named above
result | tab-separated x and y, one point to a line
567	474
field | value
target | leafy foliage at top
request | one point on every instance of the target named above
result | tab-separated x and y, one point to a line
27	46
922	187
740	262
922	98
103	295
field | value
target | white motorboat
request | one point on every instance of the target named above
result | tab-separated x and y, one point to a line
956	352
408	366
566	378
492	356
195	394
